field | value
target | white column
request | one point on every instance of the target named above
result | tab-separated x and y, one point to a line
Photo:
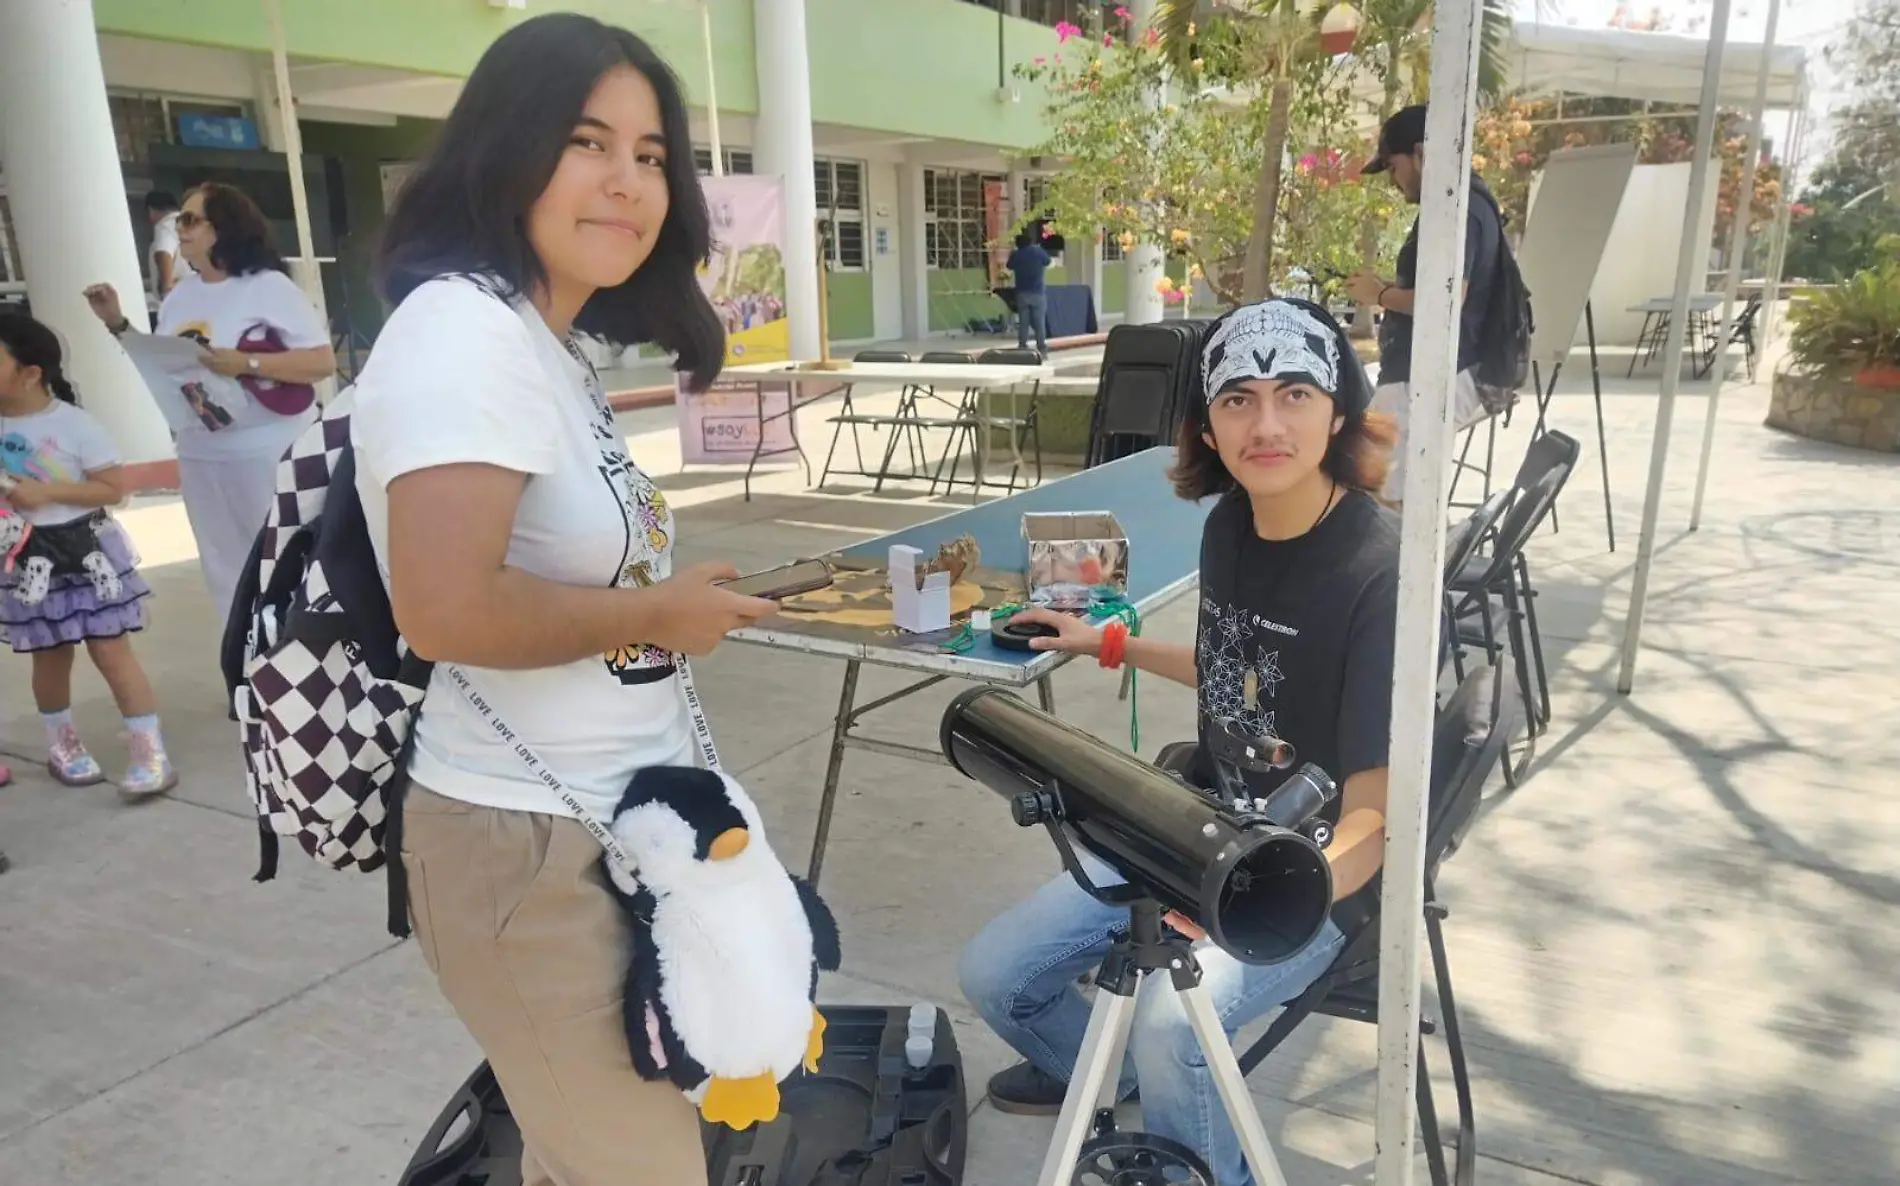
69	207
782	146
1672	352
1144	262
912	272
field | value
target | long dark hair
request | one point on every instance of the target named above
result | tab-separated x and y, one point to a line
245	243
35	345
465	207
1357	456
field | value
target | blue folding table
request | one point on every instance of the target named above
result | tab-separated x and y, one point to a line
1164	542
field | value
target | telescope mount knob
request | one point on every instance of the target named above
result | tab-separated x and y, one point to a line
1319	832
1031	808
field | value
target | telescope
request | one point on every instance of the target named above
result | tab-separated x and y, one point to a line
1247	875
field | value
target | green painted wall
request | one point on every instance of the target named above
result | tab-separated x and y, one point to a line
917	67
957	295
848	299
924	68
442	36
1114	287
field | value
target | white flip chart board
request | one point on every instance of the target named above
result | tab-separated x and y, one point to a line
1571	214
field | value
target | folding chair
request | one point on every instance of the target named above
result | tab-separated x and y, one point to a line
909	422
1742	330
1020	426
849	415
1469	736
1503	577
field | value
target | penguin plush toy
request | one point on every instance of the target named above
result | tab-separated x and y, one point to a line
727	946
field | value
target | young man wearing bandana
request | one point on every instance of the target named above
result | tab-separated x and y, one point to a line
1299	585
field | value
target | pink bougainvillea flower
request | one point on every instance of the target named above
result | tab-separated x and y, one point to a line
1122	12
1040	61
1108	39
1065	30
1307	163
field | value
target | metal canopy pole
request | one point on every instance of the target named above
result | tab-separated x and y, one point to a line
1672	353
1737	247
1797	145
310	275
1445	196
712	92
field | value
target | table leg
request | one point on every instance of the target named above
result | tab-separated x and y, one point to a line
832	769
1046	694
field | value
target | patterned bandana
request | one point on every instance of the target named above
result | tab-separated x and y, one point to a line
1273	339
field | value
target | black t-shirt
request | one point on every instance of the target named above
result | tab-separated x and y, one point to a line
1295	637
1484	238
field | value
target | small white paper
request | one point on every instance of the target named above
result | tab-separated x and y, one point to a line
917	608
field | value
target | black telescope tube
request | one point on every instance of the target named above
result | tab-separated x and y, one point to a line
1261	892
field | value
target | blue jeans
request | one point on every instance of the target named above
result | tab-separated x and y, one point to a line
1032	310
1020	973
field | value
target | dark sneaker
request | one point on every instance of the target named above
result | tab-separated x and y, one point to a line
1026	1090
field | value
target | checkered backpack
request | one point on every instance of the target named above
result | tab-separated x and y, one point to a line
323	690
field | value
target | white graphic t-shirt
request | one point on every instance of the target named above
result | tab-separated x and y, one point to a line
459	375
263	312
58	444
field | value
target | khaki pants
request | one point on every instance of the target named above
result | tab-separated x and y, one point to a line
1395	400
512	912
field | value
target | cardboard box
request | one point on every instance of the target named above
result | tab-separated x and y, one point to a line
1071	554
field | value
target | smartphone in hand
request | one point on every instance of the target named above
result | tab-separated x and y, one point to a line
788	580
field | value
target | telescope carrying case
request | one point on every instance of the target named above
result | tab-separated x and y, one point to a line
867	1118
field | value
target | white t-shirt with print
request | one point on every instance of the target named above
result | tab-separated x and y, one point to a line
233	312
458	375
165	239
58	444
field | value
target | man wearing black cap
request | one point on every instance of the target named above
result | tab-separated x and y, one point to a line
1402	153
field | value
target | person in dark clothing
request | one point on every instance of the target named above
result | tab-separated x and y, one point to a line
1299	598
1028	263
1402	154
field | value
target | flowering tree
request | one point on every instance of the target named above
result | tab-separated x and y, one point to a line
1177	172
1514	136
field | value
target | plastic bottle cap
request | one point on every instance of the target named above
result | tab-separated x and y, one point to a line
917	1052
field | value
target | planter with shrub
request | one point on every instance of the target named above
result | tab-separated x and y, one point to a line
1842	383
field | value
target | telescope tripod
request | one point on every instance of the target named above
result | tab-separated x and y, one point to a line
1137	1159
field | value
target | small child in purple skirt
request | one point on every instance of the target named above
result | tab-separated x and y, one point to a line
68	574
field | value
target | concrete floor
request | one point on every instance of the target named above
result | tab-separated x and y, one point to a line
1674	947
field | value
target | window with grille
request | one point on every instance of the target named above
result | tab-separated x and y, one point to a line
738	160
1112	249
840	187
954	217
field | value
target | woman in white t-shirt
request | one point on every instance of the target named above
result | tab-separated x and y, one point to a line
255	326
521	544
